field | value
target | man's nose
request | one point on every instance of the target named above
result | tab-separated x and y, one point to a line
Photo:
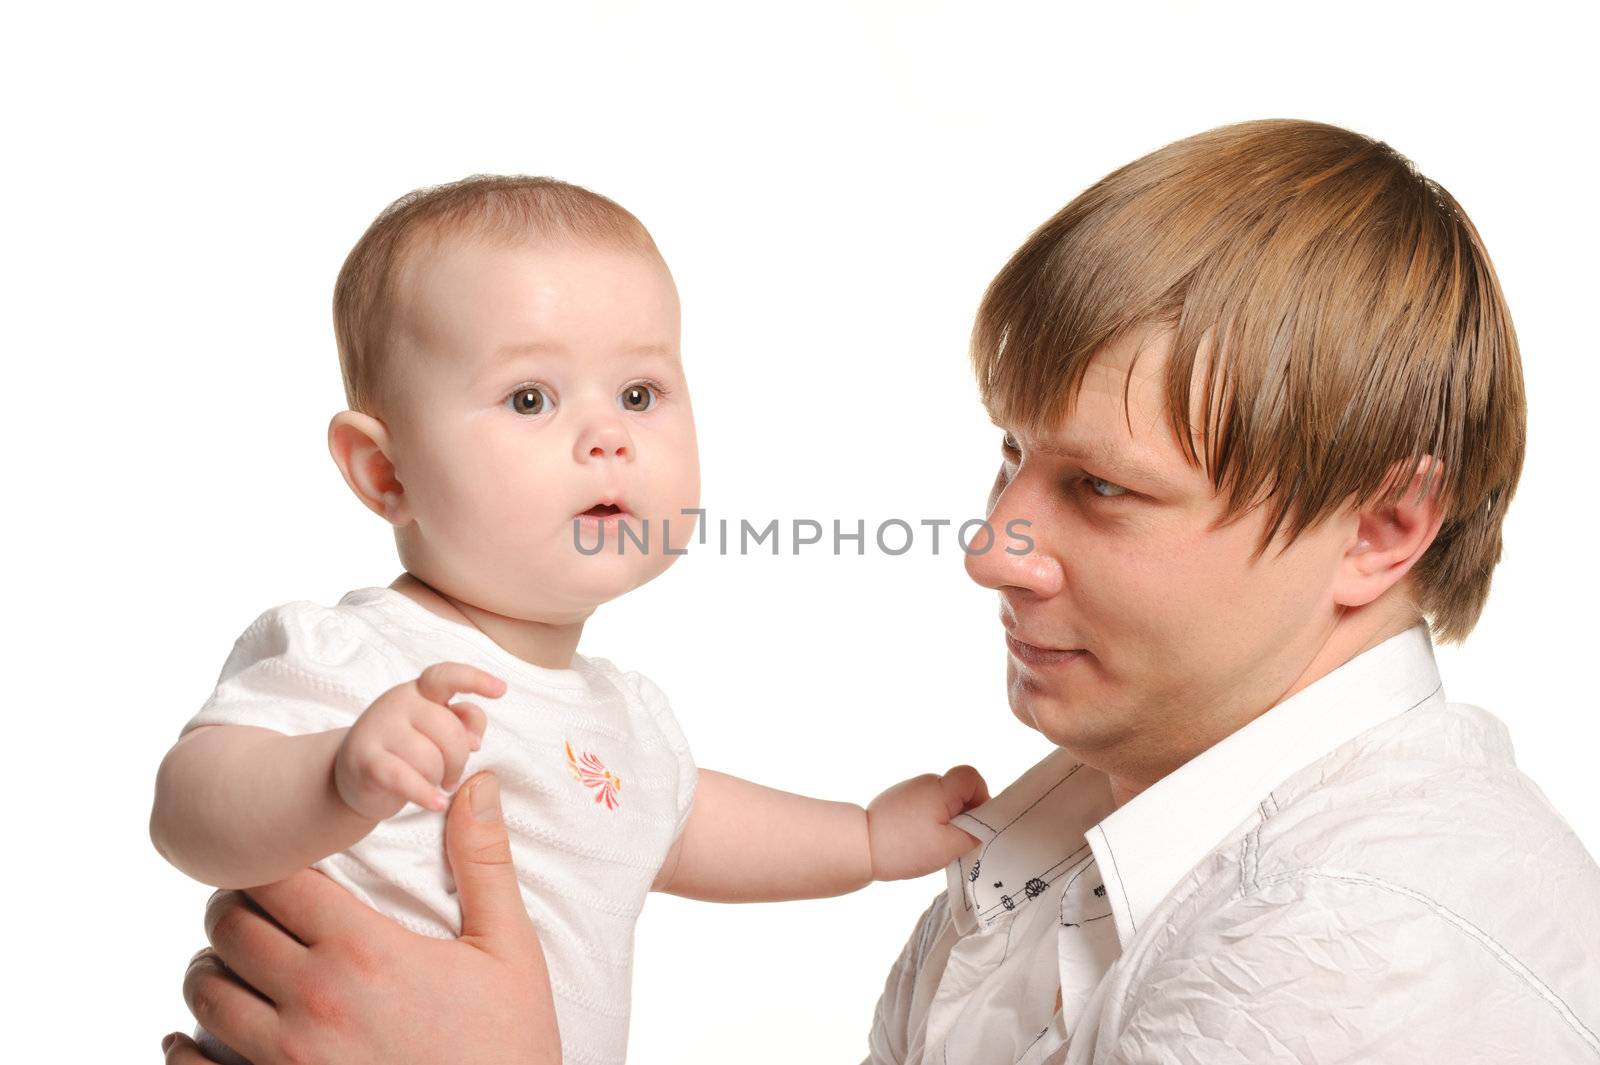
1019	556
604	438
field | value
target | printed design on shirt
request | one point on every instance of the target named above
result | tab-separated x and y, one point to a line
1036	885
592	773
1079	906
998	901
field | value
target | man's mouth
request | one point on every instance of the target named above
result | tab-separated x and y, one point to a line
1040	655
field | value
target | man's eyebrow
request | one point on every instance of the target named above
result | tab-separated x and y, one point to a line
1106	456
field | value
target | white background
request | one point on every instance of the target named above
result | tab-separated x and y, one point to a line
833	187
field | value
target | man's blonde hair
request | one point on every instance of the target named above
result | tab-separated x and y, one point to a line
509	209
1347	315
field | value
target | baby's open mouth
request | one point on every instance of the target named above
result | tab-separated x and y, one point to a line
602	510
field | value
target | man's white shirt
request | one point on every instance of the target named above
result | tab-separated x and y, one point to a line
1361	874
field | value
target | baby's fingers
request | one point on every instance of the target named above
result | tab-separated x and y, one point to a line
956	842
472	718
397	776
963	788
441	729
440	682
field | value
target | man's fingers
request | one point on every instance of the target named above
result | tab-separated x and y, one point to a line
250	943
479	851
964	788
236	1015
216	1050
313	908
443	680
181	1050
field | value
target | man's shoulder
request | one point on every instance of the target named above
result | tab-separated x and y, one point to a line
1416	879
1427	824
1433	800
1342	964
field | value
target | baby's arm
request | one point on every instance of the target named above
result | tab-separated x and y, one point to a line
748	843
237	806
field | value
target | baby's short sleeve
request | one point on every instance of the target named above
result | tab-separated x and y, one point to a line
655	704
299	668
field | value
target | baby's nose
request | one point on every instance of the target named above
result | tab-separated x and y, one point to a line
607	440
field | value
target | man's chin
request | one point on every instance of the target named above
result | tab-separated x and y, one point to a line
1025	710
1074	726
1032	703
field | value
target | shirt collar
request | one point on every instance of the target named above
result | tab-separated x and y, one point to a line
1144	847
1051	817
1029	835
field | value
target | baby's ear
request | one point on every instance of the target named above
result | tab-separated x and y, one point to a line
360	447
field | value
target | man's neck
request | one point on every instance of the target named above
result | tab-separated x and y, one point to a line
1353	633
543	644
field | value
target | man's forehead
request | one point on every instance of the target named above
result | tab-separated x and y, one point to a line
1100	449
1118	415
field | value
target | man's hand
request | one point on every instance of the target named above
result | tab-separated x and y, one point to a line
908	827
301	972
412	742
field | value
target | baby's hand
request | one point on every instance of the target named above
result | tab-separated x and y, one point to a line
412	740
908	827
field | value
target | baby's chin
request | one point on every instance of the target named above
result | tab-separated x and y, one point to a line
580	588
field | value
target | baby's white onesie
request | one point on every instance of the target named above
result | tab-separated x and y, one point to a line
596	781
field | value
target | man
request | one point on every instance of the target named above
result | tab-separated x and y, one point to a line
1262	405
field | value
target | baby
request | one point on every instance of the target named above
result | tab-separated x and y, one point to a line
510	355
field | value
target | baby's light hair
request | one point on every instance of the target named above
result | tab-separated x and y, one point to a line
504	208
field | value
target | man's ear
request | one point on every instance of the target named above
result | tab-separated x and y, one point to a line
360	447
1390	537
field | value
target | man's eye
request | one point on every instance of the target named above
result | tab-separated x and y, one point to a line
532	399
1095	483
636	398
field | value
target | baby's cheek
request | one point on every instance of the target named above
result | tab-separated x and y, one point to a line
510	490
487	528
679	530
676	480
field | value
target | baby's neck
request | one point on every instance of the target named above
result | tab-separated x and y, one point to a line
549	645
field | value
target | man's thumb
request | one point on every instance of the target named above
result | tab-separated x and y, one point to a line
480	858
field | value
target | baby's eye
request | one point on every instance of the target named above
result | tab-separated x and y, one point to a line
1095	483
1008	444
532	399
640	397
